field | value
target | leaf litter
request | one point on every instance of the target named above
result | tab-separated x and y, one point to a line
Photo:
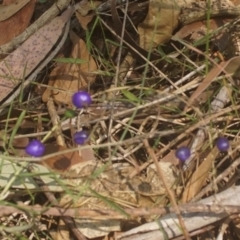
168	104
21	62
6	11
72	76
16	23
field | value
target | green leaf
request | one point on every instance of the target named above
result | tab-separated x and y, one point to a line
70	60
16	127
130	96
20	228
69	113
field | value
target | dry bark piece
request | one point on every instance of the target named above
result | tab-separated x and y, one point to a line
193	220
6	11
15	25
20	63
194	11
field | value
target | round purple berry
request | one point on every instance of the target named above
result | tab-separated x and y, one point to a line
183	153
81	99
222	144
80	137
35	148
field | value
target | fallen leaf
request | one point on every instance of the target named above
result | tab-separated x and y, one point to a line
63	162
82	12
198	179
25	59
18	144
17	23
72	76
231	67
197	30
138	51
25	180
161	20
6	11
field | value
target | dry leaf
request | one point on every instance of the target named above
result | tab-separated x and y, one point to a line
199	29
6	11
159	24
198	179
61	162
18	144
25	59
15	25
82	12
65	161
230	67
62	231
71	77
84	20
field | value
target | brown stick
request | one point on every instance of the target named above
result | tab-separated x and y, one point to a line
111	214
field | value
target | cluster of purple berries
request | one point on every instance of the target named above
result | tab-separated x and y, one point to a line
80	100
183	153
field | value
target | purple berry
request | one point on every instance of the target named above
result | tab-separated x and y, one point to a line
222	144
80	137
183	153
81	99
35	148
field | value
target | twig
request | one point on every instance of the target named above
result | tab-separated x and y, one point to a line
111	214
55	122
223	228
137	139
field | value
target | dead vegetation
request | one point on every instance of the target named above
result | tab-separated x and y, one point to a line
161	75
